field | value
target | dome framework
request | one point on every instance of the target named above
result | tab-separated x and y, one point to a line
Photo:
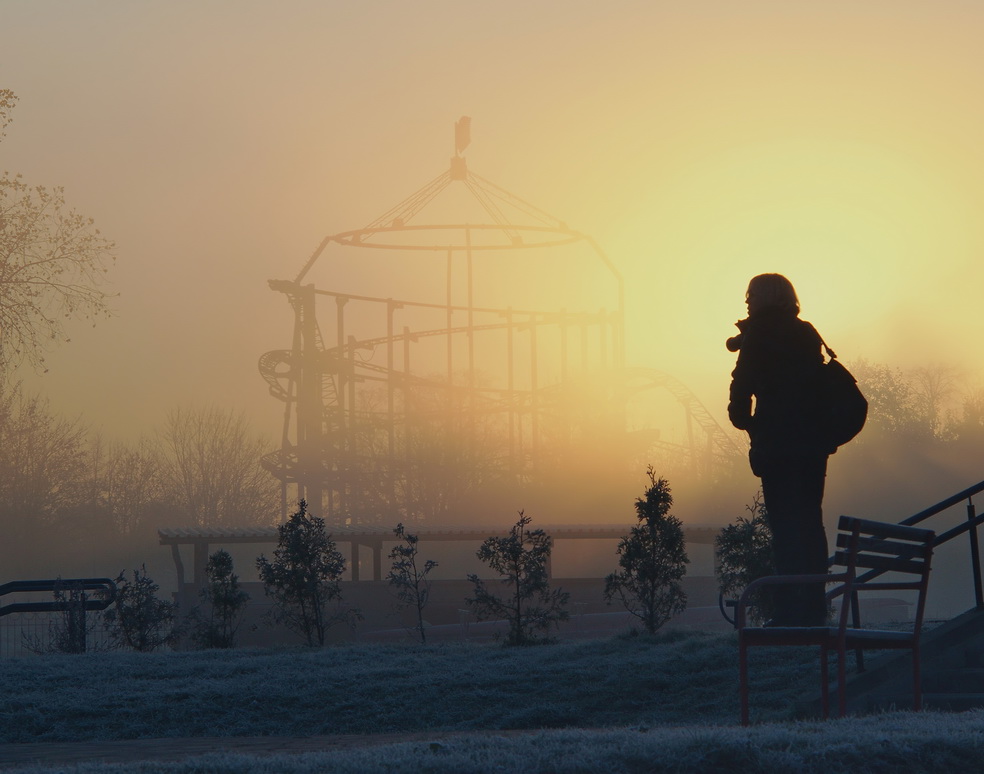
412	406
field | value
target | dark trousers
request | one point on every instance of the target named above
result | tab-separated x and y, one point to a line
793	492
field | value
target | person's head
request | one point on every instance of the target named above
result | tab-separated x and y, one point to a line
771	291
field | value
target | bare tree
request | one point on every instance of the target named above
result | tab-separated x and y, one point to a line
935	392
7	101
918	404
442	455
455	448
53	262
210	467
969	426
893	403
131	485
42	470
63	493
410	578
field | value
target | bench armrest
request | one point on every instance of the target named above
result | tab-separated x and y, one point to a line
781	580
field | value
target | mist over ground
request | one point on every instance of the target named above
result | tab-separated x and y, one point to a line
218	144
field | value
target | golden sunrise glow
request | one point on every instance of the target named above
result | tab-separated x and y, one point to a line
699	144
850	224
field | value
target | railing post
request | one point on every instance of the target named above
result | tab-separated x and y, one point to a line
856	623
83	632
975	554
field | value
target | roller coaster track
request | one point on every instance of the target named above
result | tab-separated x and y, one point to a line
627	382
719	439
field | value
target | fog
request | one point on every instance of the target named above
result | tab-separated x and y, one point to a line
699	144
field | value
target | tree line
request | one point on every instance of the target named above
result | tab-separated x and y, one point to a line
65	490
303	580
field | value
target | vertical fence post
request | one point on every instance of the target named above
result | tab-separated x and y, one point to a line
82	624
975	554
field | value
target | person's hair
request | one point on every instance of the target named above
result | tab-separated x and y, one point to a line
774	291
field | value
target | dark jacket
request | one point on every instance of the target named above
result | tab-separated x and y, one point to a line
779	363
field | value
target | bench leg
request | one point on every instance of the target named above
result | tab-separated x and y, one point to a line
916	679
842	681
824	683
743	680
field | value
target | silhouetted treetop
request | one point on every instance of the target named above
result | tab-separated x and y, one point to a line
53	264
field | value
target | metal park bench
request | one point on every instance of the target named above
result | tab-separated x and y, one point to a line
876	547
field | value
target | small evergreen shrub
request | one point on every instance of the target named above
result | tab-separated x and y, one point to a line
304	578
138	619
409	578
652	560
216	626
744	553
528	603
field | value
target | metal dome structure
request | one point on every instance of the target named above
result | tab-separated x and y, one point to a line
448	348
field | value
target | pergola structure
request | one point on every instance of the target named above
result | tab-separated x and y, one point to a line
201	541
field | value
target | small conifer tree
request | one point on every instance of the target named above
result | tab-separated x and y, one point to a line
304	578
743	551
652	560
528	604
138	619
409	578
224	601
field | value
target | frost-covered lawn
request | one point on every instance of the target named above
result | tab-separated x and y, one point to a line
889	744
622	704
677	678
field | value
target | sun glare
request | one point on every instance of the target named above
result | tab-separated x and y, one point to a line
854	226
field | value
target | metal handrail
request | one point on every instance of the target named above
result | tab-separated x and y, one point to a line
970	526
944	504
106	586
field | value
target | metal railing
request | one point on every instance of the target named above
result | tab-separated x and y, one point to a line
969	526
105	588
72	598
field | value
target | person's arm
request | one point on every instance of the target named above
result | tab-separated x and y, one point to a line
743	385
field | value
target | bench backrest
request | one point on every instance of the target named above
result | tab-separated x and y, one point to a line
878	548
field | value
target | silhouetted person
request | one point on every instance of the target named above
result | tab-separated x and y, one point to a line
779	363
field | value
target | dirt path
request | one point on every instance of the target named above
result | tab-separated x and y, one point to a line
131	750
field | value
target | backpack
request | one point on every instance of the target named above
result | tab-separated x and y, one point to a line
844	409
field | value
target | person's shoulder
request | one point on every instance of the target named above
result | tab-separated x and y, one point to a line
807	327
809	338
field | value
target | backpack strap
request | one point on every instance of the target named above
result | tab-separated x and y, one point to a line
830	353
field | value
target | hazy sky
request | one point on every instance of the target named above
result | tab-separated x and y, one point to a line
700	143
